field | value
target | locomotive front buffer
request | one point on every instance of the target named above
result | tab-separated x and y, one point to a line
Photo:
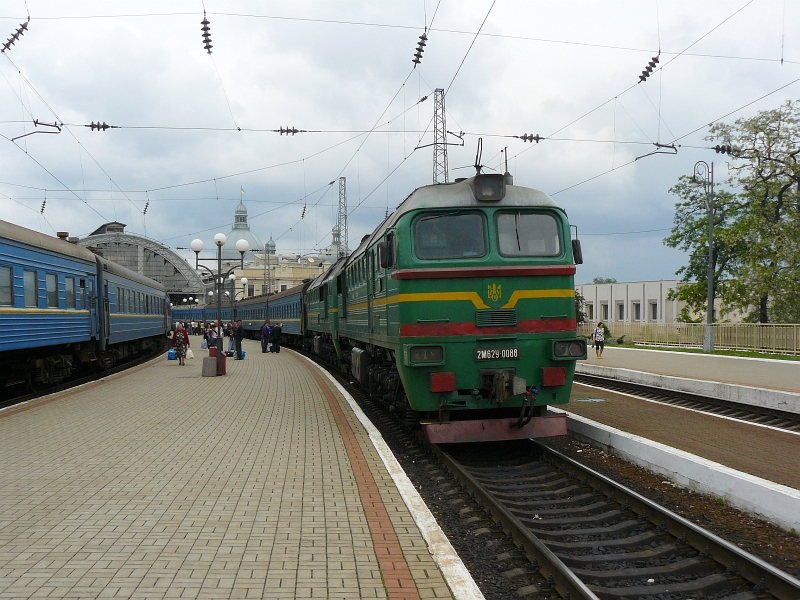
500	385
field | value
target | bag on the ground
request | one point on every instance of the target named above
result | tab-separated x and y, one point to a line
243	354
189	353
204	345
228	353
171	355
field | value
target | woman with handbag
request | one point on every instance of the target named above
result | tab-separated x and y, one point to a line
180	341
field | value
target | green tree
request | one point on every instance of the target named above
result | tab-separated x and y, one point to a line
604	280
580	304
690	234
767	172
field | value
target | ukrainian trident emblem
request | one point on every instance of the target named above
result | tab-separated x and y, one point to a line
494	291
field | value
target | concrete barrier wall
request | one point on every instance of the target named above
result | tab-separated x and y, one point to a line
776	503
750	396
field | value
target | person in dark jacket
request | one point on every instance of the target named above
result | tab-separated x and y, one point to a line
265	332
275	338
238	336
180	341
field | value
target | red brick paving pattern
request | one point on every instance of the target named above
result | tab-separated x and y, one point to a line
394	568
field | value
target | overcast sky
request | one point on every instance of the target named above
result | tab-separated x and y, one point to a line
340	67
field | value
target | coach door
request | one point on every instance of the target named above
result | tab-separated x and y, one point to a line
106	312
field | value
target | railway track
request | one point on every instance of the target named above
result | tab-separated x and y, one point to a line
593	538
715	406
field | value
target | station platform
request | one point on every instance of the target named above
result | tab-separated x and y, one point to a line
760	451
779	375
160	483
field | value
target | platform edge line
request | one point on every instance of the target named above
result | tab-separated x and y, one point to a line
458	578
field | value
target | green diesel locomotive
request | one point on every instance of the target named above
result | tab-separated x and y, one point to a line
458	311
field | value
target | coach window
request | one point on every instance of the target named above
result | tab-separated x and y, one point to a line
127	301
31	288
52	290
527	234
452	235
119	300
69	289
84	302
6	287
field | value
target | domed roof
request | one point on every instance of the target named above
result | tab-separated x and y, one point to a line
241	231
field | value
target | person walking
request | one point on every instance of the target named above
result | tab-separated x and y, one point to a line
238	336
598	339
265	333
275	337
180	341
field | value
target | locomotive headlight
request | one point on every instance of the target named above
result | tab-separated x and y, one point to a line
569	350
489	188
427	354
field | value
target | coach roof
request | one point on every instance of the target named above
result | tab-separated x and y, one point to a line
44	242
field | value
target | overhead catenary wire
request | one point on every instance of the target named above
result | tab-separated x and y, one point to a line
408	27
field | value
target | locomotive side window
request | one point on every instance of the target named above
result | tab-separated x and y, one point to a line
528	234
454	235
6	289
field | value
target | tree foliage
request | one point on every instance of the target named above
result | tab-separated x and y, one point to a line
604	280
690	234
757	230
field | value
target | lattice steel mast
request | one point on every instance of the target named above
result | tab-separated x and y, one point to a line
440	174
341	222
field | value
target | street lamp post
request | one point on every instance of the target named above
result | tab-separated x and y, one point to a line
219	280
704	175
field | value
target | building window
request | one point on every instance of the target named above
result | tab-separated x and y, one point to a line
31	288
263	289
636	309
52	290
251	289
620	311
69	289
590	311
283	287
604	311
654	311
6	287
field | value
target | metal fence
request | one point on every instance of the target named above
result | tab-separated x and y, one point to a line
752	337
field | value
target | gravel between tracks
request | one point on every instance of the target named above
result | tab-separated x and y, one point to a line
761	538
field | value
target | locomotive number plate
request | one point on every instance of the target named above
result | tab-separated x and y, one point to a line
496	354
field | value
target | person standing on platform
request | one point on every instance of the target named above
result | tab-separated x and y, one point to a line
598	339
238	336
180	341
212	336
275	338
265	333
229	335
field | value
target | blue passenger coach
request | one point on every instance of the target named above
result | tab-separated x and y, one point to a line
63	307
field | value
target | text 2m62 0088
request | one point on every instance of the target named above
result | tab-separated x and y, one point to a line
496	353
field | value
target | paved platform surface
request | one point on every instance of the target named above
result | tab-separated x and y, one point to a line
753	372
160	483
766	453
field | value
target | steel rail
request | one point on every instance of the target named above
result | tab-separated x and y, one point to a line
758	572
567	584
763	577
779	419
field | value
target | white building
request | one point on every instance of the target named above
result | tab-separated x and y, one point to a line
641	301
